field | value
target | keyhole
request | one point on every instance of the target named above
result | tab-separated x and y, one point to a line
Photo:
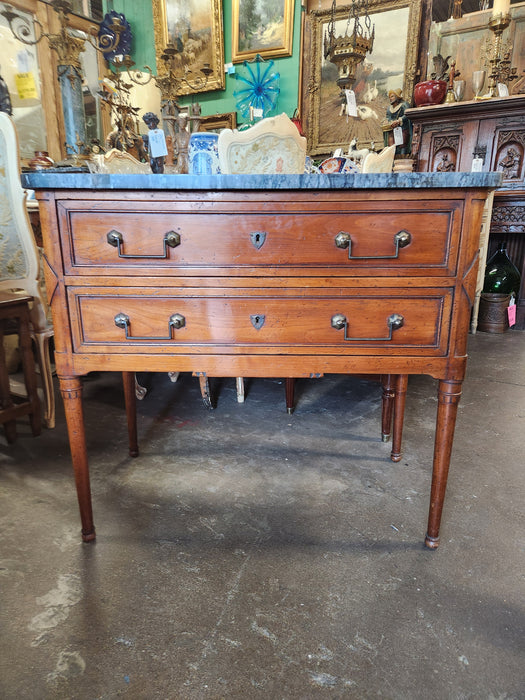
257	237
257	319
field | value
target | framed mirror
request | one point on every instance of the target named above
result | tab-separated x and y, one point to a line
391	65
19	68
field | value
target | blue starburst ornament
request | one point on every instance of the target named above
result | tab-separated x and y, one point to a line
261	91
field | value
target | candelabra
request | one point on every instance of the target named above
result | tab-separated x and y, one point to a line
349	50
170	81
116	96
68	49
501	70
176	74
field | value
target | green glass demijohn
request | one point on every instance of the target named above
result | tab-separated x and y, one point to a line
501	275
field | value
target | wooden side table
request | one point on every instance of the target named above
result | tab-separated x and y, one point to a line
15	307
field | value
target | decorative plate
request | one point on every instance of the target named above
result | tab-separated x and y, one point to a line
332	165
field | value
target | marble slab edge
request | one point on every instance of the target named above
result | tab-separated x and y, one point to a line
56	181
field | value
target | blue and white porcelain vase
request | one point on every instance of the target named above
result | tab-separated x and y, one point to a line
203	153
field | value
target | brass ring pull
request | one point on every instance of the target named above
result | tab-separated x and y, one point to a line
175	321
401	240
394	321
116	239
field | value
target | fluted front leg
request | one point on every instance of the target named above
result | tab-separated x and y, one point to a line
449	393
71	390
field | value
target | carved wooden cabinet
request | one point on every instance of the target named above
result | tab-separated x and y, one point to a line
448	137
261	276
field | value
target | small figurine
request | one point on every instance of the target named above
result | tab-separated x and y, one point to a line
182	143
395	118
445	165
510	164
156	162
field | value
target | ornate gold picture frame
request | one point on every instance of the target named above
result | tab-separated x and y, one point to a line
392	64
216	122
264	28
198	25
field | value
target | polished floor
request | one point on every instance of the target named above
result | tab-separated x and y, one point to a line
248	554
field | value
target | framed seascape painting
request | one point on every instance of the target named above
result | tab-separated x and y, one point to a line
195	26
392	65
263	27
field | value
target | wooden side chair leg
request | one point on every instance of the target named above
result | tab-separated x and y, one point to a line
6	400
399	415
130	398
28	365
388	382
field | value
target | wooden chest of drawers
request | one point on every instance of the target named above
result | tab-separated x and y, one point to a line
243	280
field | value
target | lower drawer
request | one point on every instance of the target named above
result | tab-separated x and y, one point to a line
371	323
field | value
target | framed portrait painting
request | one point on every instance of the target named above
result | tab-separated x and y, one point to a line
195	28
391	65
263	27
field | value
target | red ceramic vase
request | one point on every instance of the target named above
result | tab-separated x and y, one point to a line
430	92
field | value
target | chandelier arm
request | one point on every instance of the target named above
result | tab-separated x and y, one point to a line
106	43
21	33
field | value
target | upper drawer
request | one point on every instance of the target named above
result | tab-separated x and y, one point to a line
417	238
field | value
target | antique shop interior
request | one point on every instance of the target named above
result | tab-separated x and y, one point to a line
263	283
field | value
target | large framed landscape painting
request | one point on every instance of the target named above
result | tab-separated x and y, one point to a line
391	65
196	27
263	27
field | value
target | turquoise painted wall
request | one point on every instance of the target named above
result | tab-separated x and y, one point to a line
139	15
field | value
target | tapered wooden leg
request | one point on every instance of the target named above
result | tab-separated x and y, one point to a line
71	390
290	394
449	393
130	399
387	405
401	383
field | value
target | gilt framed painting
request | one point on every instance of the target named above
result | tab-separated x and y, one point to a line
263	27
195	28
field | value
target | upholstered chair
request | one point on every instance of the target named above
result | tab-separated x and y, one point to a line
20	259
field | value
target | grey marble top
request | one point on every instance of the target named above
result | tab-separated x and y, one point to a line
57	180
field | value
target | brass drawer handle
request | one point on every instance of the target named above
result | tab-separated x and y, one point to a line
171	239
175	321
401	240
394	321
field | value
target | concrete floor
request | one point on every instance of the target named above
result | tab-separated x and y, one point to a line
251	554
